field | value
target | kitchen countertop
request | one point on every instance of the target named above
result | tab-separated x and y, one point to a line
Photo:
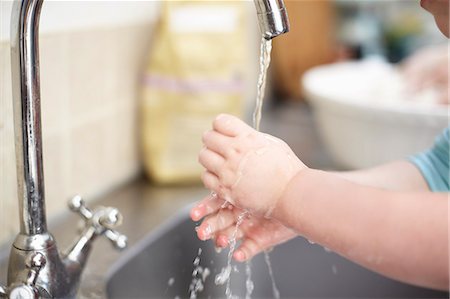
144	207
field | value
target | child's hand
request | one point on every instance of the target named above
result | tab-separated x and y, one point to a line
428	69
246	168
257	233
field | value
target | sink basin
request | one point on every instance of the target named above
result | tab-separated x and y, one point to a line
161	266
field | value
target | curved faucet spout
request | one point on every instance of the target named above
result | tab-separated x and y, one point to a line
27	115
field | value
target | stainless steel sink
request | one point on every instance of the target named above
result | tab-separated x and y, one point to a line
161	265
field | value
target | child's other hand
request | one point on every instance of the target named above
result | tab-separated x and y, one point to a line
246	168
256	233
428	68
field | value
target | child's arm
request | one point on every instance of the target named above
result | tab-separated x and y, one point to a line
399	234
396	176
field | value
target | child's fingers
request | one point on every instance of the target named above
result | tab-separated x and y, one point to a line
215	223
217	142
230	125
212	161
248	249
210	180
225	236
208	205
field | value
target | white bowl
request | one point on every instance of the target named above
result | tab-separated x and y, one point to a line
364	116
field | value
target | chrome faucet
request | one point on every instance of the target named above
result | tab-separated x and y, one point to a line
36	268
272	18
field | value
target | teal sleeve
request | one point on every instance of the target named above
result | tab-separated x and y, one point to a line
434	163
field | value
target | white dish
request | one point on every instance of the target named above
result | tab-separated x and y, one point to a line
366	118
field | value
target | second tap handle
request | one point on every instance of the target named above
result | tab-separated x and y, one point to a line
119	241
110	218
77	204
3	293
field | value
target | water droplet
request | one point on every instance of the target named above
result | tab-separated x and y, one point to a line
171	281
334	269
197	261
205	274
223	276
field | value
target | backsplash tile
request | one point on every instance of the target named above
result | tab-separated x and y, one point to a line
55	87
91	61
8	189
89	91
6	124
55	169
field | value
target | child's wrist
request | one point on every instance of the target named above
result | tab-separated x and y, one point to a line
292	192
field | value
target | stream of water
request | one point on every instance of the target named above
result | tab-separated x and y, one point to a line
264	63
224	277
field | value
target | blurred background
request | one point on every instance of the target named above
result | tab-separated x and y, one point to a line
128	88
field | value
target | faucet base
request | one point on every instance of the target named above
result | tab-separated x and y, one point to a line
48	279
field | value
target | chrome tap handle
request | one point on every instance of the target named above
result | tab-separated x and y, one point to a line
110	218
118	240
77	204
103	220
3	293
34	262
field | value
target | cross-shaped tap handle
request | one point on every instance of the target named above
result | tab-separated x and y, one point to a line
77	204
3	292
103	220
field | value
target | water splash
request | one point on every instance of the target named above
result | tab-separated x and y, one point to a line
224	276
199	276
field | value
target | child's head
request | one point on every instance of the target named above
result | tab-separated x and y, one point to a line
440	11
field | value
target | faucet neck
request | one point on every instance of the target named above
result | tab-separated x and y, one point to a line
27	115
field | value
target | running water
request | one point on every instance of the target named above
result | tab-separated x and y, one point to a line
264	62
276	293
225	275
266	49
249	286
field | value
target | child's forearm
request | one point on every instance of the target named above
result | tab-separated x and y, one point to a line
399	175
402	235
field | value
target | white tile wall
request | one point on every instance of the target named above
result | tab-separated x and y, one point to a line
89	91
